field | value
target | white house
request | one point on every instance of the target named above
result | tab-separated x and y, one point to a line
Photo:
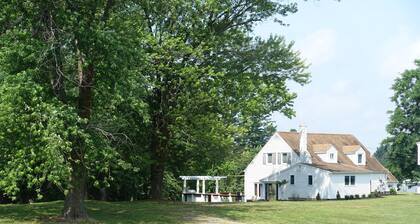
294	165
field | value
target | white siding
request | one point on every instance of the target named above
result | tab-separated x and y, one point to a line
301	189
365	183
256	170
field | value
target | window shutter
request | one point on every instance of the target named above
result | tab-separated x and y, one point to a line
264	158
279	158
274	158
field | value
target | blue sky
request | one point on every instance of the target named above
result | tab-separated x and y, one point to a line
355	48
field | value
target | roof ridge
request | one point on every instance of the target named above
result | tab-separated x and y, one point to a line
315	133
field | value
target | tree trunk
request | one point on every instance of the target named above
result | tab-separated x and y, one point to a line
159	144
157	171
74	208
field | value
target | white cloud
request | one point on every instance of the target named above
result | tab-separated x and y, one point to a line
399	55
318	47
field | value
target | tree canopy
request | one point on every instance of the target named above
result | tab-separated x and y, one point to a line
115	99
399	150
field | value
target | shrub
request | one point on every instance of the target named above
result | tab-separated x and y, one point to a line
318	197
346	197
351	197
393	191
357	196
338	195
363	196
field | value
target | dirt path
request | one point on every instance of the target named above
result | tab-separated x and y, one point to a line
207	219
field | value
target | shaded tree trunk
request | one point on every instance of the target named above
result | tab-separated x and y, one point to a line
159	144
74	207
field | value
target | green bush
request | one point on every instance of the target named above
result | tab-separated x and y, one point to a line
393	191
338	196
351	196
357	196
318	197
347	197
363	196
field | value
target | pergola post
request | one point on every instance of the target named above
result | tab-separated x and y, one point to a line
217	186
204	187
198	187
185	185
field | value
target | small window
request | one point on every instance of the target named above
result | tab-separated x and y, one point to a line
331	155
269	157
309	179
256	190
359	158
352	180
346	180
284	158
292	179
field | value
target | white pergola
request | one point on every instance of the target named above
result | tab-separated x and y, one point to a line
203	179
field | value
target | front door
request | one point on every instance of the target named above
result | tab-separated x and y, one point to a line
271	190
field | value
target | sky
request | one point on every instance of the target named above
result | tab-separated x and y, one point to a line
355	49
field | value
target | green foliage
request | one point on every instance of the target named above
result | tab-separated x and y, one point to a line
178	88
404	126
393	191
35	136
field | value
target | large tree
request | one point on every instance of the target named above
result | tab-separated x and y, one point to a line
65	67
212	84
93	92
404	126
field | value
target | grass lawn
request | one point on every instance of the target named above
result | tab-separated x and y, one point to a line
403	208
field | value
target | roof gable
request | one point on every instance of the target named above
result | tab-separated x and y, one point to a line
351	149
321	148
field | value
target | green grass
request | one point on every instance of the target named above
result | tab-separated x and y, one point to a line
403	208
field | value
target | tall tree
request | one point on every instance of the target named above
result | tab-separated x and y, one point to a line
211	82
70	63
404	126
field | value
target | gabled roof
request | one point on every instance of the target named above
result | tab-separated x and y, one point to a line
351	149
344	164
321	148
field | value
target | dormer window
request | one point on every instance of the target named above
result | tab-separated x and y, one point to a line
327	152
356	153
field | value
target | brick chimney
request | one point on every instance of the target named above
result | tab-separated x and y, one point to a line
304	155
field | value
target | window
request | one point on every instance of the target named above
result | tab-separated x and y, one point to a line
349	180
284	158
309	179
256	189
292	179
269	157
359	158
331	155
352	180
260	190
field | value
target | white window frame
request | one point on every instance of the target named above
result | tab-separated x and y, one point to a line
272	157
